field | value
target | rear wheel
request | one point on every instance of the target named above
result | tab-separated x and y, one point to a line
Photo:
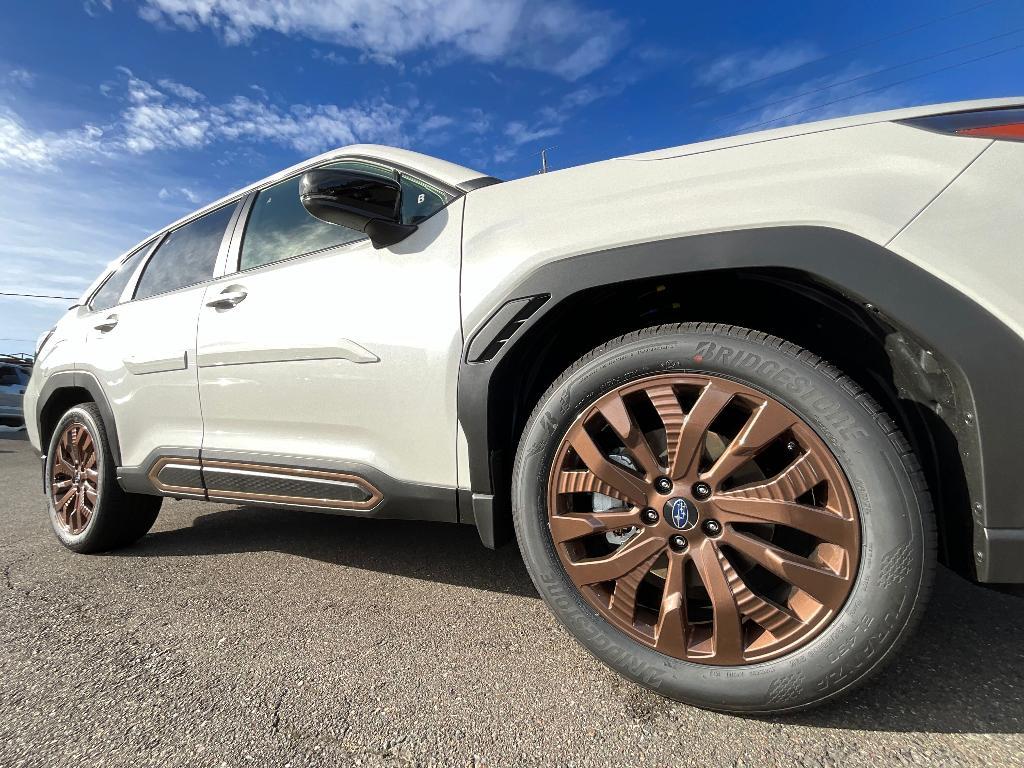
723	517
88	510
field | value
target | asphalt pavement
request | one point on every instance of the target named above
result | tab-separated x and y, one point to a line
235	636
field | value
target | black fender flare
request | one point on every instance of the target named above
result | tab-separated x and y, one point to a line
978	345
79	380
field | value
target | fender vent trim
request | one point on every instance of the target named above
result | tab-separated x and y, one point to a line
501	326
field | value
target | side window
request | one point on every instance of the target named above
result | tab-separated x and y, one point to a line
8	376
109	293
280	228
187	255
420	200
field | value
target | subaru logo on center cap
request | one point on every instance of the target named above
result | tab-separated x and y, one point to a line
681	514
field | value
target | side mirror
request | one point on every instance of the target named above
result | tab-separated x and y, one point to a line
360	201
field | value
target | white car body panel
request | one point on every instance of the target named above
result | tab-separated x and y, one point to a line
146	366
368	336
869	180
973	245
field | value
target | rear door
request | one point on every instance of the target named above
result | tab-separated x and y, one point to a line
141	342
321	352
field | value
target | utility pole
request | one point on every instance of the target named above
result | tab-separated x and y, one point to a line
544	159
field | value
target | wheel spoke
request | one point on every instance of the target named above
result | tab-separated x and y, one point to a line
629	487
670	632
91	474
791	483
766	423
824	585
573	526
768	615
59	485
61	457
663	398
76	455
727	632
90	493
77	513
67	497
820	523
623	602
691	440
614	412
86	445
616	565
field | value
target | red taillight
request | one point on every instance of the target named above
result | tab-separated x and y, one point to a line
1013	132
1006	124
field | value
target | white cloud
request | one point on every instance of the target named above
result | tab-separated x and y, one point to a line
819	98
521	133
94	7
171	115
19	77
735	70
557	36
180	90
21	146
178	192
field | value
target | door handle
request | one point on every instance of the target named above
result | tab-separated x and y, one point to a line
107	325
228	298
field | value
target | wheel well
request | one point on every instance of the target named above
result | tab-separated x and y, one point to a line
912	382
56	406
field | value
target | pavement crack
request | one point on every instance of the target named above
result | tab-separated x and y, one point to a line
7	570
275	722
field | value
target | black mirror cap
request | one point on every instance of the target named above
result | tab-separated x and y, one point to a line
360	201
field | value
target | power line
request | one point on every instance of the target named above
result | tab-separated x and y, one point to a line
843	52
869	74
39	296
880	88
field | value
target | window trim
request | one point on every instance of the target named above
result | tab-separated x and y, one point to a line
221	249
233	265
148	248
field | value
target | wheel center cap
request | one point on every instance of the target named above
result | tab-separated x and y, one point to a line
78	477
680	513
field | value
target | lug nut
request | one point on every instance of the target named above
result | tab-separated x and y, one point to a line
678	543
650	516
712	527
701	491
663	485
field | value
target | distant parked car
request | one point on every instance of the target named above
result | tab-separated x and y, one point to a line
13	380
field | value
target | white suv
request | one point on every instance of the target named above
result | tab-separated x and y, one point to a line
715	512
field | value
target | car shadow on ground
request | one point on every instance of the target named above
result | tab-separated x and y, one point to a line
441	552
961	672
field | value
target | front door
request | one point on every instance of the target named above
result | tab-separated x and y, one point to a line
326	366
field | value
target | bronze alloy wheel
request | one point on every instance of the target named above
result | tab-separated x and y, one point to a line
73	478
704	519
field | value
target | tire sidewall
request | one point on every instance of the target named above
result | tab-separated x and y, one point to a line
891	571
82	541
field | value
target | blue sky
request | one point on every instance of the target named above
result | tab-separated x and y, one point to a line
117	117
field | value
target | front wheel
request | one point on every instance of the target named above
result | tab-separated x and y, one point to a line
724	518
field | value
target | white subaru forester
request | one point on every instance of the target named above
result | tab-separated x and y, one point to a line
736	399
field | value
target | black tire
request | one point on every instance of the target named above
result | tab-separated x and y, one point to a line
897	553
119	518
